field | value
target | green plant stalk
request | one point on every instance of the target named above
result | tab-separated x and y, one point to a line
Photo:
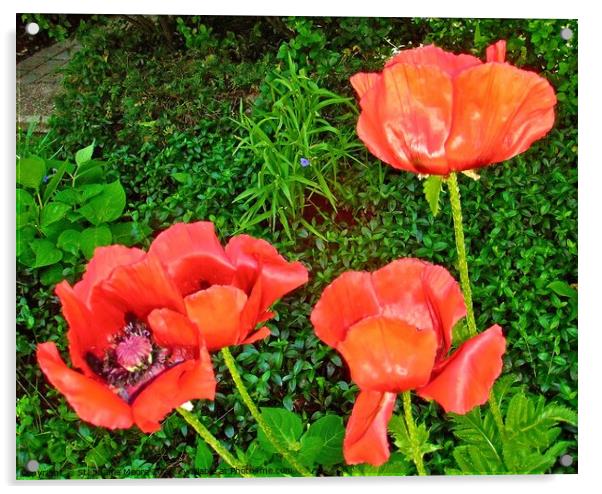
411	425
246	398
212	441
456	206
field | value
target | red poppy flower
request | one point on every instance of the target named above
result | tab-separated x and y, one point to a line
227	292
433	112
138	357
394	329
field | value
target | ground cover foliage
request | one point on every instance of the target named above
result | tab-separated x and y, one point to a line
165	117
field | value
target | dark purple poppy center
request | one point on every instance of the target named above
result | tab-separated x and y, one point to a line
133	359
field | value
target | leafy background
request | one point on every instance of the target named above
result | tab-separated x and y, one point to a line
163	116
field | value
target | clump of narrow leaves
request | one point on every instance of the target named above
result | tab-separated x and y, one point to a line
527	443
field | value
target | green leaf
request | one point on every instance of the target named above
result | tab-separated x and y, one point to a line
398	428
396	466
54	181
52	275
183	178
69	241
310	449
84	155
432	190
106	206
563	289
129	233
46	253
286	426
53	212
329	429
94	237
89	173
99	455
460	332
31	171
203	459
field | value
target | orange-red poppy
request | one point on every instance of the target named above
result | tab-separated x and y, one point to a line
138	357
227	292
141	325
433	112
394	329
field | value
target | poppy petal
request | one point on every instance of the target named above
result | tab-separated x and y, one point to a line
446	302
362	82
446	61
260	334
408	115
82	338
347	300
497	52
388	355
138	288
499	111
102	264
255	258
366	434
172	329
192	254
92	400
190	380
400	291
465	380
217	311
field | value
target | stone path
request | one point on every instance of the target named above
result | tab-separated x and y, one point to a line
38	82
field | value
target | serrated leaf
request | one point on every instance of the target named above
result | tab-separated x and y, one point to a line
432	190
330	430
31	171
106	206
397	465
94	237
203	458
402	440
286	426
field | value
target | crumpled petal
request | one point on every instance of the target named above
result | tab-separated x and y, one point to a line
497	52
92	400
406	117
216	312
388	355
171	329
466	378
256	259
347	300
193	255
499	111
190	380
366	434
446	61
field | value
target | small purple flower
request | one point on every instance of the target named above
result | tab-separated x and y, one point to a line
46	178
304	162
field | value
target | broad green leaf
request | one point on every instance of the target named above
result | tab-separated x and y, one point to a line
203	459
563	289
54	181
129	233
46	253
94	237
310	449
286	426
89	173
23	248
52	275
84	155
69	241
432	190
329	429
99	455
53	212
67	196
106	206
31	171
183	178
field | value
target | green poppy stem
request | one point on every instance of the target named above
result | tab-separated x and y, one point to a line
267	430
212	441
456	206
411	425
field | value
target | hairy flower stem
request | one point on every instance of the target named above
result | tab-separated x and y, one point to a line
212	441
246	398
411	425
456	206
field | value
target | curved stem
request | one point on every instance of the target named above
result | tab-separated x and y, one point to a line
456	206
246	398
407	410
212	441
